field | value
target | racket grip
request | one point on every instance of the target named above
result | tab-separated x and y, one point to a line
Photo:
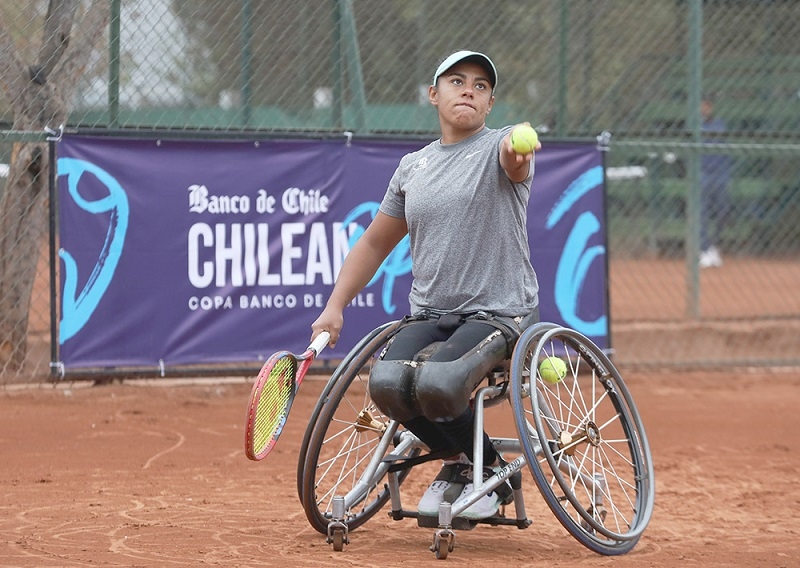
320	342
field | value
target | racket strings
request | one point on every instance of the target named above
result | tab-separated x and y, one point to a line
272	405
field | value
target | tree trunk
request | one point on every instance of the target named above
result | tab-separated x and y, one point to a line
22	224
39	96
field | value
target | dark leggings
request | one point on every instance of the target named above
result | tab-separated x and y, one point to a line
431	398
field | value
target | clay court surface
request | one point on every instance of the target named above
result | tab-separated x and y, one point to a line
135	474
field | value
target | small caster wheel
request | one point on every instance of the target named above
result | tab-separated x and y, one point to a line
440	549
337	539
337	529
598	513
443	543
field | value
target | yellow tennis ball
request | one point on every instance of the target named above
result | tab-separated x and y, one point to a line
552	369
524	139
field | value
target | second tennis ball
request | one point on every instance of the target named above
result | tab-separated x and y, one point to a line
524	139
552	369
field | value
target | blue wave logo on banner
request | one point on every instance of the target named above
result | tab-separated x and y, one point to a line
397	264
577	257
76	307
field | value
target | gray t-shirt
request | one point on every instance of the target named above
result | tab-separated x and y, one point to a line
467	225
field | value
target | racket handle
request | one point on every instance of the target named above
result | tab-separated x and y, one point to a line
320	342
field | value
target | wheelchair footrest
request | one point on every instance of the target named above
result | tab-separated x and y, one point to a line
459	523
462	524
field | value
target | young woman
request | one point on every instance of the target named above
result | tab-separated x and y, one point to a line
462	200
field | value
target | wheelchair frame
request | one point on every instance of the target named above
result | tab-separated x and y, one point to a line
581	438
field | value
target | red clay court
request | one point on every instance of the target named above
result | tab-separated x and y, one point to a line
135	474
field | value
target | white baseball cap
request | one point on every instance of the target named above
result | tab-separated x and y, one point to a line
474	56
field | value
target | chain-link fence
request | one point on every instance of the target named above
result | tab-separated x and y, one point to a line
703	238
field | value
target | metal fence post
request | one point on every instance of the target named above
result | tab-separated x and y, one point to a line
247	57
113	64
694	198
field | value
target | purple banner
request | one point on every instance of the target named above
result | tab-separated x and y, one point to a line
184	252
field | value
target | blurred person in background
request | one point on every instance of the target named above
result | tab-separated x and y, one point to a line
715	174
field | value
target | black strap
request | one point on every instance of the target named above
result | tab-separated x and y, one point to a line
403	462
449	322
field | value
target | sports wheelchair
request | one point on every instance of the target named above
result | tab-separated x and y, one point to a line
581	438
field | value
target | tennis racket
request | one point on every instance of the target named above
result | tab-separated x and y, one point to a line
272	396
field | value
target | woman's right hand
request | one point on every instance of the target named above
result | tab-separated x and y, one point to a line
330	320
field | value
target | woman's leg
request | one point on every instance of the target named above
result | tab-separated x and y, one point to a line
391	383
444	386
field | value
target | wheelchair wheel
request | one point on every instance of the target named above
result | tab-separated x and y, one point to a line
583	440
341	369
350	430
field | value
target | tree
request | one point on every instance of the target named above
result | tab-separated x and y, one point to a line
39	95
